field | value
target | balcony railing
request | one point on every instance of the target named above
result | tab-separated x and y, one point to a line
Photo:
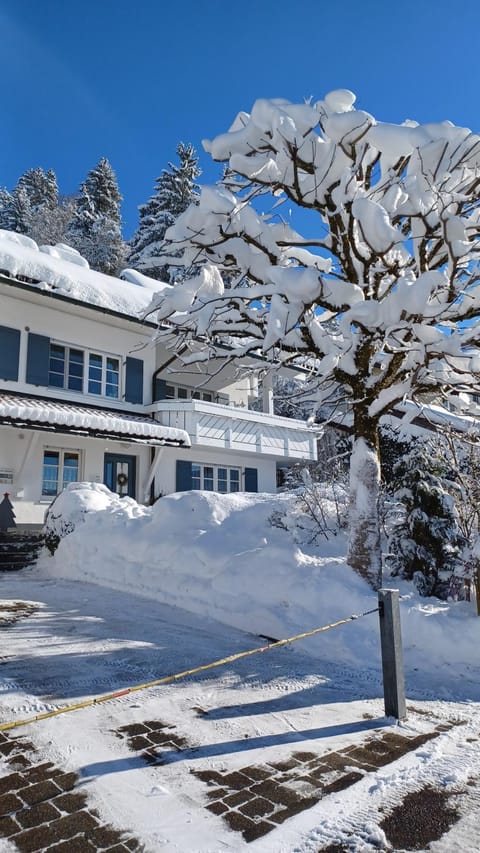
239	429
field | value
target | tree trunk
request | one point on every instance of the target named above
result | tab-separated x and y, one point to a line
364	552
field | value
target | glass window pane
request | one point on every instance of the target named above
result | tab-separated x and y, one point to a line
56	370
222	480
169	392
207	396
113	364
208	478
96	360
196	477
234	480
182	393
94	387
195	395
70	468
51	464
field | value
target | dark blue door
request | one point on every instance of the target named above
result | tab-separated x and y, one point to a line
120	473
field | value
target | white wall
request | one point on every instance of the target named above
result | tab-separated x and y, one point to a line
22	451
83	327
165	480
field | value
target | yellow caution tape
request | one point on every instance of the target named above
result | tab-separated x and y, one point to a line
168	679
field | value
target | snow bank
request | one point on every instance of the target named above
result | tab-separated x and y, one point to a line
219	556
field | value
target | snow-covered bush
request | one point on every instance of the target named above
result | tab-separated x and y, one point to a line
319	509
70	507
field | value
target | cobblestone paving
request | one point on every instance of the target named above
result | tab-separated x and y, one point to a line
43	809
257	798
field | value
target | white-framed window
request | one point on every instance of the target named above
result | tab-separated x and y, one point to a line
215	478
6	476
84	370
179	392
60	467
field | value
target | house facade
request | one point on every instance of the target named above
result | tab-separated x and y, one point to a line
85	394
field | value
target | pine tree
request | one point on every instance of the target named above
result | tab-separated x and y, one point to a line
7	515
96	226
6	202
41	188
174	191
426	543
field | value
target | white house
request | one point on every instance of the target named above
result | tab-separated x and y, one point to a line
85	394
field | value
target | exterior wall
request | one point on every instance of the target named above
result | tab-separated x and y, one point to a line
69	324
21	450
165	479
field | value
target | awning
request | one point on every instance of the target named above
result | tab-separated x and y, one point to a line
58	417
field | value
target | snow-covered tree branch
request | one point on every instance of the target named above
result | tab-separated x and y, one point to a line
382	303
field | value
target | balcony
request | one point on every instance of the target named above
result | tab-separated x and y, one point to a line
238	429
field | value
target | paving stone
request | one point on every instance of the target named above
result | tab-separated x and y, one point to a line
104	836
283	766
236	780
134	729
217	808
139	742
271	790
70	802
258	807
160	738
238	798
157	724
18	762
39	772
218	793
73	845
294	809
41	813
9	803
304	756
259	828
7	748
238	822
342	783
39	792
66	781
211	777
257	774
8	827
11	783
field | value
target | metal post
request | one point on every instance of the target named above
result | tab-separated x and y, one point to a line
392	654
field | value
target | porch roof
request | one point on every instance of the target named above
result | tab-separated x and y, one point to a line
59	417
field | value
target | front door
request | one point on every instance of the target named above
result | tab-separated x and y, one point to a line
119	474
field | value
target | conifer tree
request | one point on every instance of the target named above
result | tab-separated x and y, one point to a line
41	188
96	226
6	202
7	515
175	190
426	543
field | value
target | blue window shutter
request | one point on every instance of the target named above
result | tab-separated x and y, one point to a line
38	356
184	476
251	480
9	353
160	393
134	380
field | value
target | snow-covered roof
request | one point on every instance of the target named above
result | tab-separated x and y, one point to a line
62	271
81	420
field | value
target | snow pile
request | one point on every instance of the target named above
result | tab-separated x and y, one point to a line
61	269
220	556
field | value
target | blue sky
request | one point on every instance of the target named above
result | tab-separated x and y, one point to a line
128	80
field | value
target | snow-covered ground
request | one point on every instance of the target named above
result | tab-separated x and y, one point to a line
134	594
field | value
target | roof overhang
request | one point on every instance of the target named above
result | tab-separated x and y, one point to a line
58	417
